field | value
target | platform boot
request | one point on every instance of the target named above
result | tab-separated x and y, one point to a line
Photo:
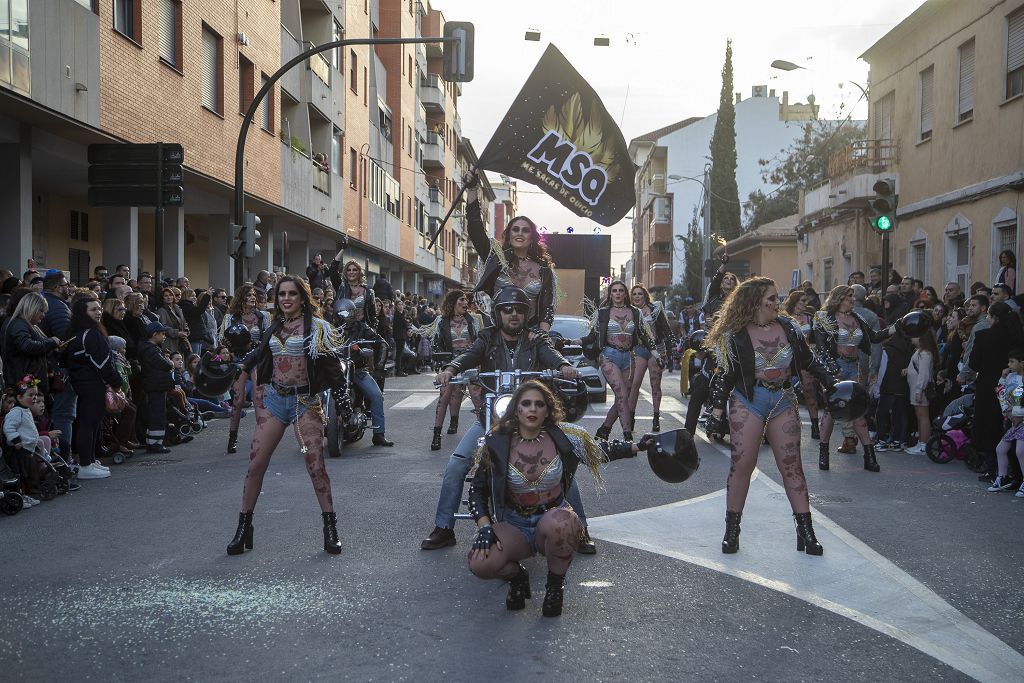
518	590
553	595
243	535
233	441
731	541
453	425
823	455
435	443
656	425
805	539
603	432
331	543
870	462
815	430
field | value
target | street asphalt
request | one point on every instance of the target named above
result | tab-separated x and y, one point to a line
127	579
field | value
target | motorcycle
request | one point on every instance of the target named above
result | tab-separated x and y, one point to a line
348	412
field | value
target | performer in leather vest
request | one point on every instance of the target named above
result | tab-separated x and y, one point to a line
245	310
517	497
298	358
619	331
454	332
796	307
840	335
658	325
758	352
519	260
504	347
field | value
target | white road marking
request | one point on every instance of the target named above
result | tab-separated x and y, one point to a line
850	580
415	402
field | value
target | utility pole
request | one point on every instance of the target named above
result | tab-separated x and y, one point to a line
706	240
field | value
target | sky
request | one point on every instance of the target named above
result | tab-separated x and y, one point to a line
664	63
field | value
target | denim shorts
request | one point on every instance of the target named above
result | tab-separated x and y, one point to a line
527	525
642	352
848	369
290	408
768	403
620	359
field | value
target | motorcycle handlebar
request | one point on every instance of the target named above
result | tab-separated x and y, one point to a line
475	377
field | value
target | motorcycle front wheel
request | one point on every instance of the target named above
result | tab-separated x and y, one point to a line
334	429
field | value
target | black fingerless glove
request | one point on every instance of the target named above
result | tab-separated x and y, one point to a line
485	538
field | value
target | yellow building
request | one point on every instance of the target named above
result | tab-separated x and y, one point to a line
768	251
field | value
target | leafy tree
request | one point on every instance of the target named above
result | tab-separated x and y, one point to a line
801	166
725	200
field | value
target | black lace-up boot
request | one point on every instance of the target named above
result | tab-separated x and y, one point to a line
731	541
805	539
243	535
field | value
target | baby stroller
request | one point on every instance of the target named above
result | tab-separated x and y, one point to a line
182	423
11	500
56	475
952	440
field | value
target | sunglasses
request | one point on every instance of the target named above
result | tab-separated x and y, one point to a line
513	308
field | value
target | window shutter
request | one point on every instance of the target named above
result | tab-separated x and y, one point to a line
965	104
927	105
1015	41
209	65
883	117
168	19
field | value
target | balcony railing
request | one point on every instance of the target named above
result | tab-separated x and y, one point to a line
432	92
321	178
871	155
319	65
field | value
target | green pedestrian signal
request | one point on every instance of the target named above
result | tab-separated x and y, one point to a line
883	223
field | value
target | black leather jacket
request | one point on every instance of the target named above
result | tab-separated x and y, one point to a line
442	340
738	372
544	311
826	337
323	372
360	330
595	342
343	291
662	329
487	490
488	354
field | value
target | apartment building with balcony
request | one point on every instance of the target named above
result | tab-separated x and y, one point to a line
948	84
333	150
506	205
669	189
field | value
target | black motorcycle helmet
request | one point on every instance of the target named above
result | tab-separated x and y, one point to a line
509	296
915	323
673	456
847	401
237	337
696	340
214	377
345	310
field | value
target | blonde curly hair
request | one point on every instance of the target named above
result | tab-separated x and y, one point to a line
835	298
738	310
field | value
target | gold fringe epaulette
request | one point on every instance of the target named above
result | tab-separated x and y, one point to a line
587	450
822	320
323	339
722	351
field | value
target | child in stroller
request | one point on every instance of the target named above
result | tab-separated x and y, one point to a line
952	436
31	454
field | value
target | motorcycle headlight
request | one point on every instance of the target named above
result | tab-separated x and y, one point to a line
501	405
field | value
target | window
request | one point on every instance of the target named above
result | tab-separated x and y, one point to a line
211	61
267	108
827	274
78	265
128	19
336	53
79	226
353	166
336	151
409	138
409	72
918	264
366	86
353	71
1015	54
884	111
927	103
170	32
965	89
246	78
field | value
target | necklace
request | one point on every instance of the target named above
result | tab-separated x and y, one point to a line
535	439
764	326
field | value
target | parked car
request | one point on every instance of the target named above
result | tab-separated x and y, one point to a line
575	327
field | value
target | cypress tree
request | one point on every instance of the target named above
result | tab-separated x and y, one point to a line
725	200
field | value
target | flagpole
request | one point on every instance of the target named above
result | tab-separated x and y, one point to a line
455	202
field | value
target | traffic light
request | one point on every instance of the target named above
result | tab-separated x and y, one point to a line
458	54
250	235
883	205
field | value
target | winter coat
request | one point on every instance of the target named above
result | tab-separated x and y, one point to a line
25	352
156	368
90	362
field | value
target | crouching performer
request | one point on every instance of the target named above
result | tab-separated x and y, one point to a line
525	468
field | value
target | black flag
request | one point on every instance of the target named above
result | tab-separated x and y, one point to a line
558	136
